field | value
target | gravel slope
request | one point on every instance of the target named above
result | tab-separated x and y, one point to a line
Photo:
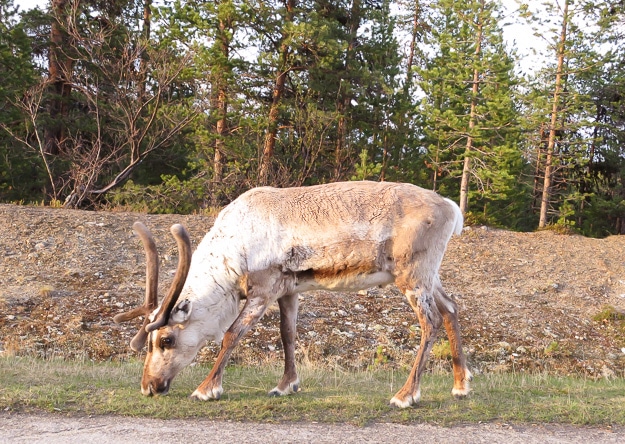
527	300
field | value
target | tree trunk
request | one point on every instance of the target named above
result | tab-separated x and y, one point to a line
466	169
220	129
222	108
395	152
59	67
143	66
537	187
269	143
436	160
142	78
544	204
416	25
344	93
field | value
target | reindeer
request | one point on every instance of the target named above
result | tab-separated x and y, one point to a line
270	245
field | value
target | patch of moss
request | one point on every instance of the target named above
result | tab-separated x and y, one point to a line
609	314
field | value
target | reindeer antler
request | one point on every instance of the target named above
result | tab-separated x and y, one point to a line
184	263
151	287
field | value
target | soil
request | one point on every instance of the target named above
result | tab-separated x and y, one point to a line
529	302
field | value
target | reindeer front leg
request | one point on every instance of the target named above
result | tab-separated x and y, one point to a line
253	310
263	288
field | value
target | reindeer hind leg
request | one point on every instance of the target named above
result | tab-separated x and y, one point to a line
449	310
288	319
422	302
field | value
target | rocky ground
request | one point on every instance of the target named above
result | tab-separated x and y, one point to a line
529	301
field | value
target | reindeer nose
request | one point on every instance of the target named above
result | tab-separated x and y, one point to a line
158	388
147	390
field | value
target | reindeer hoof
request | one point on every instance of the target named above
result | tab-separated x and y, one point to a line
212	394
405	401
292	388
462	392
401	404
459	395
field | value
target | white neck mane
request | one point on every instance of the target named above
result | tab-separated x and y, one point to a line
213	286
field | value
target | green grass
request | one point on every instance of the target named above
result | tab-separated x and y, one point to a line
30	385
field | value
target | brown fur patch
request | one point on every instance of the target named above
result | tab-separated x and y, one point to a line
343	272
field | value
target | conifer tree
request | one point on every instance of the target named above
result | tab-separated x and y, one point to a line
573	137
21	172
469	114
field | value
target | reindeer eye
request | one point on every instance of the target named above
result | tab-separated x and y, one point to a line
167	342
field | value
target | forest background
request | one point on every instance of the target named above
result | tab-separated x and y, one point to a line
180	106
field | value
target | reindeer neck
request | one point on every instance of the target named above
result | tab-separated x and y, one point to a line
213	285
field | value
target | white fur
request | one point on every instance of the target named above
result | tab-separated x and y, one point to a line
292	388
461	393
459	220
215	393
408	402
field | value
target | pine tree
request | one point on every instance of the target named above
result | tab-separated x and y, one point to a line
599	208
21	173
283	67
469	114
402	162
572	134
555	109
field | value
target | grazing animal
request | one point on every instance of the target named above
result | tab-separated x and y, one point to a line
272	244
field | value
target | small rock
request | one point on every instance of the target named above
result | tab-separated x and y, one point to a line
607	373
504	345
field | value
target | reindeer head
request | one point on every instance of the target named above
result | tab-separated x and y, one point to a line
171	345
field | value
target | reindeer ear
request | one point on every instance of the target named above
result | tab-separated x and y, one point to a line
181	312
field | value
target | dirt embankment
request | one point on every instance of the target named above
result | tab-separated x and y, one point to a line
529	301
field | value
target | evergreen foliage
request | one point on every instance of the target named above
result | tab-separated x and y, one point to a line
21	174
446	80
181	106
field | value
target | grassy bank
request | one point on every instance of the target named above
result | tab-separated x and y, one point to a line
28	384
